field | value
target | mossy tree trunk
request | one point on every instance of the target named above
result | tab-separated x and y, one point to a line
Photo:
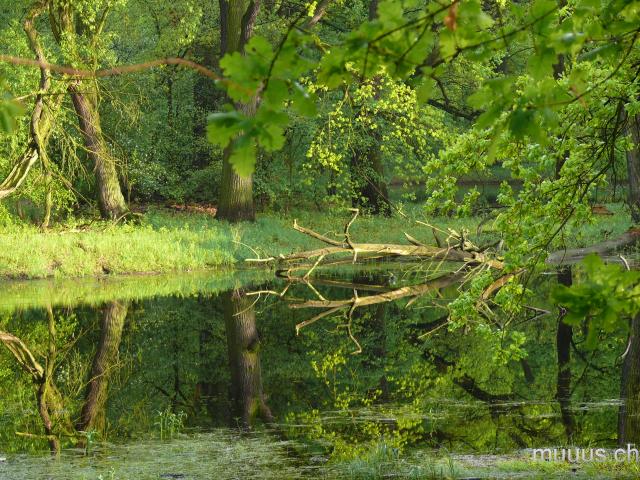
236	194
243	345
237	18
42	116
68	29
371	188
110	198
371	192
50	405
564	337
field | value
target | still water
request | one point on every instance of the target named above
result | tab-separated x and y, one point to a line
350	375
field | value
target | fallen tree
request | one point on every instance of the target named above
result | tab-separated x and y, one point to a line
457	249
574	255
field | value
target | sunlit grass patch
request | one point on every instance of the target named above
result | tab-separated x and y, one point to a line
384	461
167	241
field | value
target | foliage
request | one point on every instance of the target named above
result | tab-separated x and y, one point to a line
169	423
606	294
396	41
380	113
9	110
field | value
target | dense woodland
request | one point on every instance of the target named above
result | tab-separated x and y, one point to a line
467	151
318	104
375	105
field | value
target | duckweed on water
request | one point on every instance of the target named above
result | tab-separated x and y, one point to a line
221	454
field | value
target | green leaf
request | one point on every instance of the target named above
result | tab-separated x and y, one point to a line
271	137
605	51
9	112
243	156
448	44
425	90
333	71
390	13
303	102
489	116
277	92
260	46
480	98
541	64
223	126
522	122
541	8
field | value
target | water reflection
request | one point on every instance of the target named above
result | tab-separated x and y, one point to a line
92	416
334	367
243	345
629	416
51	404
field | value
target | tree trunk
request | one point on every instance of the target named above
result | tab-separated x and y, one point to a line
564	336
237	18
19	172
67	31
92	415
48	200
110	199
377	325
368	170
236	193
46	392
629	413
243	346
42	117
633	166
49	400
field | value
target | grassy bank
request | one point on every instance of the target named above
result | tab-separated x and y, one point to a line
167	241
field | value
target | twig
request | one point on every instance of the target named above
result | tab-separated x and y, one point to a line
313	234
301	325
320	258
347	235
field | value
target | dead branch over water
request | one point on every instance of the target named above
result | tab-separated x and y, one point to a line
458	249
574	255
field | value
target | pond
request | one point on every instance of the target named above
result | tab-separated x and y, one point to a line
351	374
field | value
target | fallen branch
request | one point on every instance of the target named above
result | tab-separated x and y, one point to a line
313	234
498	284
574	255
403	292
388	249
344	284
464	252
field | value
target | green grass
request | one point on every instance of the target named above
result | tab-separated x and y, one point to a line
166	241
384	462
173	242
